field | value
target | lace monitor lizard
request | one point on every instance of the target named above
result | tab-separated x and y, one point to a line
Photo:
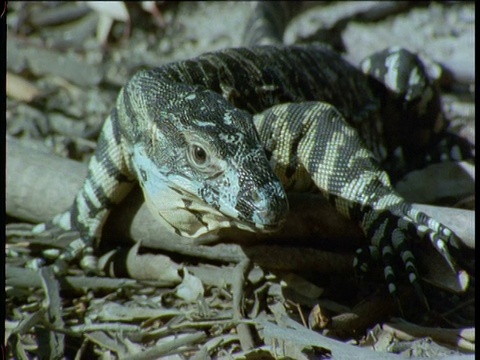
216	141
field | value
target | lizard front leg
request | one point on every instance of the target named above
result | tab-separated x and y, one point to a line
311	145
107	182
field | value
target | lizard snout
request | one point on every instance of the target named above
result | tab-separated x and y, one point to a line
270	208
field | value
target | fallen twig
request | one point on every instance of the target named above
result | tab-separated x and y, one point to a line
56	180
461	338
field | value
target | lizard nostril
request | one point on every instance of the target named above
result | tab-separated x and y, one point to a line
256	197
269	207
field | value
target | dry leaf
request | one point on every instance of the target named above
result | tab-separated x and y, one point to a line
21	89
115	10
191	287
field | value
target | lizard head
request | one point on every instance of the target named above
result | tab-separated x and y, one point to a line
202	167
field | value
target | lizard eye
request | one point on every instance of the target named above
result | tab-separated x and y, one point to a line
198	155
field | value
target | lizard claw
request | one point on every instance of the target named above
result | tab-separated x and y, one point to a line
391	237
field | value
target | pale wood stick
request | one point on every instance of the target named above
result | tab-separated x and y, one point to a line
40	185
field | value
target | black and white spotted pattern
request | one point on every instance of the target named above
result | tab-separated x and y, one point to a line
216	141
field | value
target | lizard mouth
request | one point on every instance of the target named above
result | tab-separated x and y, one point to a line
270	228
264	228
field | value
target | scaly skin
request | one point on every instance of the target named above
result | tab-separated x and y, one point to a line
216	141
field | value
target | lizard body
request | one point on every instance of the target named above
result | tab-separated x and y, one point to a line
216	141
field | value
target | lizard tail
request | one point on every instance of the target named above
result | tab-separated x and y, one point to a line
268	22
